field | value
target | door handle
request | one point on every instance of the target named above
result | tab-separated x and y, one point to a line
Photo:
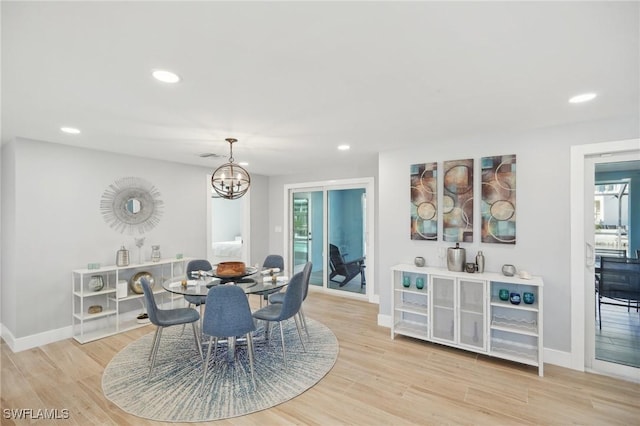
589	256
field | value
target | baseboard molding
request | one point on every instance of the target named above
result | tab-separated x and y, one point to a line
551	356
384	320
556	357
23	343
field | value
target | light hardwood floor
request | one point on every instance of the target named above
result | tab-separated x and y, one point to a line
376	381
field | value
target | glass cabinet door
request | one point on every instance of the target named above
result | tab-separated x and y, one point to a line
472	297
443	309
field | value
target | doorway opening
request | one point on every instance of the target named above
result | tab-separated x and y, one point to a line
329	224
584	209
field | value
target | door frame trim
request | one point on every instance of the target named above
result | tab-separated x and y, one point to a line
365	182
579	154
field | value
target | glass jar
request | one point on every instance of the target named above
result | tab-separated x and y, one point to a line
155	253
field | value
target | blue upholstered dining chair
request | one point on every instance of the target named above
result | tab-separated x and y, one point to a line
283	311
271	261
192	266
227	314
279	297
162	318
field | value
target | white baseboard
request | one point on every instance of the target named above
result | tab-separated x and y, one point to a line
551	356
556	357
23	343
384	320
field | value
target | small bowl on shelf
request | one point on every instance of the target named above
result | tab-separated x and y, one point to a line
514	298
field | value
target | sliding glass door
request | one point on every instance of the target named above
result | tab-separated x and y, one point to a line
328	226
308	225
346	240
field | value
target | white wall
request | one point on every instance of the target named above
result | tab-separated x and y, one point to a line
543	237
55	194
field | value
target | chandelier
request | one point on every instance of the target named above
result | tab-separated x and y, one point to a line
230	180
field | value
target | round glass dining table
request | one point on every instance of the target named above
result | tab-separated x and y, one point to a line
255	283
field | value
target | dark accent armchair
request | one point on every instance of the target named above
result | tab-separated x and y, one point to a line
341	268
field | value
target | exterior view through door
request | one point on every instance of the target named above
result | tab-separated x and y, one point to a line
339	254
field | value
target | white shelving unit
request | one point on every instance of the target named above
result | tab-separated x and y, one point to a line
410	304
118	314
464	310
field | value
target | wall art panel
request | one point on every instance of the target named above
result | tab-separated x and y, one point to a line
457	201
498	209
424	201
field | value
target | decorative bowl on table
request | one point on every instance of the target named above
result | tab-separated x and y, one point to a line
231	269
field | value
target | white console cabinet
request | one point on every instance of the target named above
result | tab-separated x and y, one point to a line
119	310
465	311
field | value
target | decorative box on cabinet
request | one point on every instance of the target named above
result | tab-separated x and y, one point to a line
117	314
464	310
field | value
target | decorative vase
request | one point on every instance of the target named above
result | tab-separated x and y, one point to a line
135	284
122	257
508	270
514	298
480	262
419	283
419	261
406	281
155	254
456	258
503	294
528	298
96	283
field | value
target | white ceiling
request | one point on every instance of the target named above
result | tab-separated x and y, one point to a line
293	80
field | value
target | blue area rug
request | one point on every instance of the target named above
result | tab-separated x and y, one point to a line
173	393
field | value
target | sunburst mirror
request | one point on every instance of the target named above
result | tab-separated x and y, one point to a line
131	205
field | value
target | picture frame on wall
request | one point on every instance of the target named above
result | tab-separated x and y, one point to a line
498	207
424	201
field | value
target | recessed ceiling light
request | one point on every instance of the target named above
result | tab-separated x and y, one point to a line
70	130
585	97
344	147
166	76
243	163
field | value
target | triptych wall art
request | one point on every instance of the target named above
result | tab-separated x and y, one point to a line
498	210
424	201
457	217
498	204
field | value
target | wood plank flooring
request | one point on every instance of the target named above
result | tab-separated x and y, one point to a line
376	381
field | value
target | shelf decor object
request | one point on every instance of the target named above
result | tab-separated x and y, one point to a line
470	312
96	283
230	181
136	281
131	205
503	294
122	257
528	298
498	207
424	201
155	253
